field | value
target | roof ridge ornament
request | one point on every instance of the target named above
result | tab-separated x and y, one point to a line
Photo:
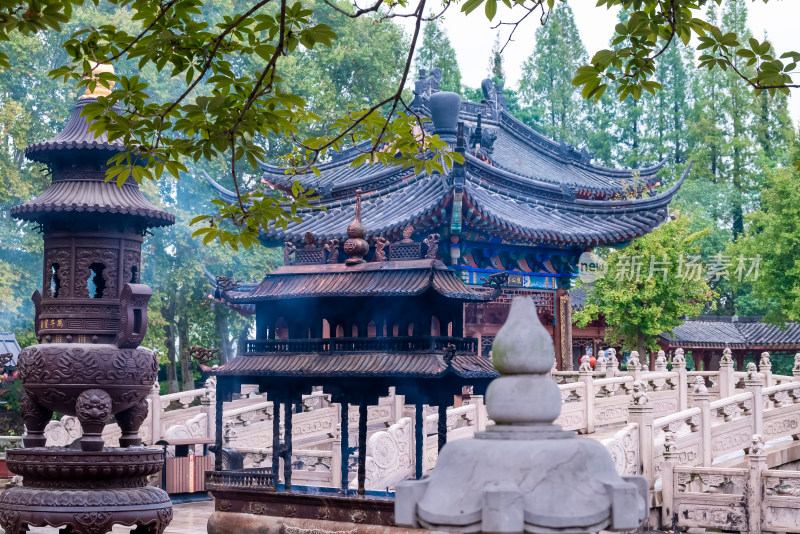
356	246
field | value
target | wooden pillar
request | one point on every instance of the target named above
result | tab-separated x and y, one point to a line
345	446
362	447
442	424
287	444
740	360
419	439
563	329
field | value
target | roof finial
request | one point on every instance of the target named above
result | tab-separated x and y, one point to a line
355	246
99	89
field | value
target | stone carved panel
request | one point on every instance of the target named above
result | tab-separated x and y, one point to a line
624	450
731	437
389	456
781	423
783	517
196	427
62	432
732	516
573	417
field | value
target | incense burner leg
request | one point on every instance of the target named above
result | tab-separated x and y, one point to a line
93	409
36	418
130	421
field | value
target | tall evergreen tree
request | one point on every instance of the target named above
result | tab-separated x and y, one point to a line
555	105
436	51
496	71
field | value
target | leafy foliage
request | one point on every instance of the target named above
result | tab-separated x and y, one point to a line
436	51
773	233
648	287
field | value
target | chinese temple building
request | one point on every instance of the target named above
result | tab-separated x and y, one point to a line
521	204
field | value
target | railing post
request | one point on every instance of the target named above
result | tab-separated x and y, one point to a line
585	376
727	381
612	366
336	458
155	413
207	407
635	366
700	399
679	366
640	411
757	463
661	362
753	384
765	368
667	482
796	368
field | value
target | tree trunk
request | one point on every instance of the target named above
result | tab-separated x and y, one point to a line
169	331
641	347
242	341
187	376
221	329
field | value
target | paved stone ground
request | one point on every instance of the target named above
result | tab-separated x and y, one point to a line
190	518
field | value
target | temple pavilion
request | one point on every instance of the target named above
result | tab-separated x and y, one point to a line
521	204
355	328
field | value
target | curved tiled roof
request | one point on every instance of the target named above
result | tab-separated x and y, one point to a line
384	213
734	332
558	221
359	364
92	196
74	135
534	190
77	160
374	279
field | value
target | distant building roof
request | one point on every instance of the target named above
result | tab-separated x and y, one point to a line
578	296
707	331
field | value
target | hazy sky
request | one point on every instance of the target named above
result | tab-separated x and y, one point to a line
472	36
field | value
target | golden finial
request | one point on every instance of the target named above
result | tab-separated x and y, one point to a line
99	89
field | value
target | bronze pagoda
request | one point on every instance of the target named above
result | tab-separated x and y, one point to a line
91	315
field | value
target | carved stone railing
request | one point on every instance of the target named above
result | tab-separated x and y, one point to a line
752	499
355	344
9	442
243	478
711	431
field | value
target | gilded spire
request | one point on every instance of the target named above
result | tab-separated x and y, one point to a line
99	89
355	246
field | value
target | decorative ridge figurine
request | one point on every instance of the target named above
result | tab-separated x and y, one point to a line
356	246
505	480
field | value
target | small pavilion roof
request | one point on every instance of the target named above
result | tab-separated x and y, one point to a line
359	364
714	332
370	279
